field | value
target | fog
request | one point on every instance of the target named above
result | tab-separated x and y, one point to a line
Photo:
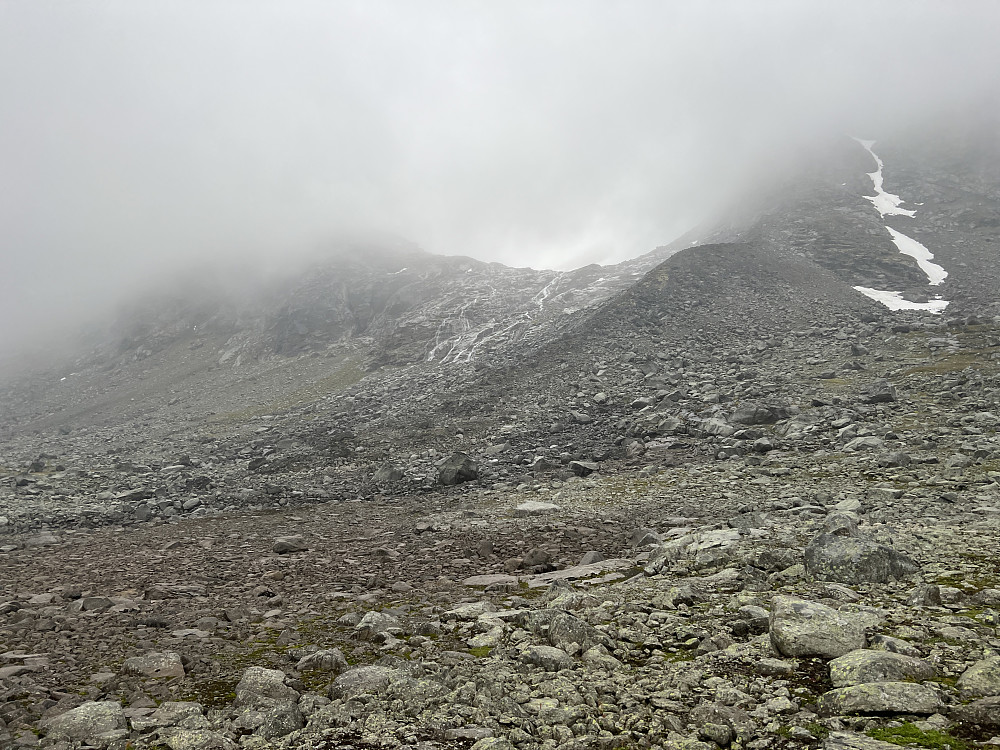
137	138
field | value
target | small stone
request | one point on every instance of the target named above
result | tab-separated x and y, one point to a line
285	545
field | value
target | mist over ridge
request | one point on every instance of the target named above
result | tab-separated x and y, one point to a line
142	140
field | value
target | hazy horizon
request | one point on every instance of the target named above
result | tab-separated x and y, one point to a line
139	139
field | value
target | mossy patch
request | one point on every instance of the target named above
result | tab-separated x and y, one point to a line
910	735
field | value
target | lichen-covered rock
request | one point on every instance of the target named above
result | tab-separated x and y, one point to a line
574	636
802	628
845	555
94	722
263	688
982	678
198	739
325	660
360	680
156	665
881	698
864	666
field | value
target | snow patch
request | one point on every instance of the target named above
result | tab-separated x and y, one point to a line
887	204
909	246
895	301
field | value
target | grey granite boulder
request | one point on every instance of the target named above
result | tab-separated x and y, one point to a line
982	678
260	687
802	628
845	555
881	698
865	666
94	722
574	636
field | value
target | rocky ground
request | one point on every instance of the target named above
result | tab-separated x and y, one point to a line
759	556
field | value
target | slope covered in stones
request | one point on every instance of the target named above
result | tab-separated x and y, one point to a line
718	499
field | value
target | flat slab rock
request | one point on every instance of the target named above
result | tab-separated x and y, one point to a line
866	666
156	665
535	508
577	572
881	698
491	579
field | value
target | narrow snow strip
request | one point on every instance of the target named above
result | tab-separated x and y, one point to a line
887	204
909	246
895	301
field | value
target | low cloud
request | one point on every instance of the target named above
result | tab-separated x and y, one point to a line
137	138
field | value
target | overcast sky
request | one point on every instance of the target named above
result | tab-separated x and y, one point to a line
136	137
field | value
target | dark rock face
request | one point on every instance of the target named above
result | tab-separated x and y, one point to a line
879	392
753	414
458	468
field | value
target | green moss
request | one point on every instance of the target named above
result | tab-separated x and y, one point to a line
481	652
910	735
817	730
212	693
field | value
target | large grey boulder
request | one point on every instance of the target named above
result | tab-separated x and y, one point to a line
548	658
156	665
262	688
574	636
361	680
457	468
881	698
984	712
325	660
802	628
864	666
982	678
94	722
842	553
